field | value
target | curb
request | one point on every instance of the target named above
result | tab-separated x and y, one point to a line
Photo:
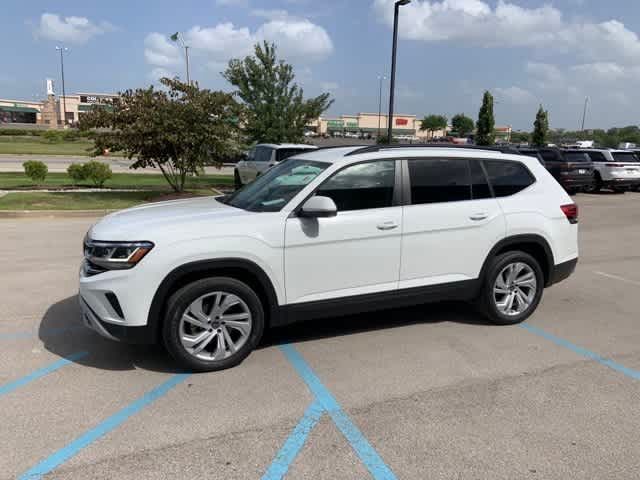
54	213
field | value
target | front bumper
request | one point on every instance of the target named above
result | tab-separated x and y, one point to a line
122	333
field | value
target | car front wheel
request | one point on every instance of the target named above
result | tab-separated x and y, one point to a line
213	324
512	288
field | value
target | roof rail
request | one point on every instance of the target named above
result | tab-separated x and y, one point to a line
377	148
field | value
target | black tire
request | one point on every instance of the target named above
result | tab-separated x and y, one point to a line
618	189
180	301
572	191
597	183
485	301
236	180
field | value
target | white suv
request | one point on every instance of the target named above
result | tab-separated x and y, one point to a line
618	170
264	156
330	232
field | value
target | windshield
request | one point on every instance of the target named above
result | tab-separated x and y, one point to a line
625	157
576	157
273	190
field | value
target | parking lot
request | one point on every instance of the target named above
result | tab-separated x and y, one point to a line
427	392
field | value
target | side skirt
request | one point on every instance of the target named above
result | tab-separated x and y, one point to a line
336	307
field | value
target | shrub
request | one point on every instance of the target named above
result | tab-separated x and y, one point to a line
53	136
97	172
77	172
20	132
35	170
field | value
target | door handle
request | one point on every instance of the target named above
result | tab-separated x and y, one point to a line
478	216
387	226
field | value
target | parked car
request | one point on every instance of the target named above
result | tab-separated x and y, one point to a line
329	232
572	168
531	152
618	170
264	156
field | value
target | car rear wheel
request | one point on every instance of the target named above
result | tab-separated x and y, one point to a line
213	324
512	288
596	186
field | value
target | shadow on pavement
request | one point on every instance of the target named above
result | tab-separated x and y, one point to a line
63	333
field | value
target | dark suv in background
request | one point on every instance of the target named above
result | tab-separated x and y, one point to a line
572	168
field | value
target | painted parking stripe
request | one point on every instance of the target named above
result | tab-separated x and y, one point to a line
367	454
635	374
294	443
65	453
617	277
52	367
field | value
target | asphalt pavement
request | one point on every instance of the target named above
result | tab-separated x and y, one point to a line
425	392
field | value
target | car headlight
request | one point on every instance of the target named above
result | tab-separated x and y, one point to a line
102	256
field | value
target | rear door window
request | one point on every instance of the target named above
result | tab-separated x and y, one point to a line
597	156
479	184
262	154
576	157
508	177
550	156
282	153
439	180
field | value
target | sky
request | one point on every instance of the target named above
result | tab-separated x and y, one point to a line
526	52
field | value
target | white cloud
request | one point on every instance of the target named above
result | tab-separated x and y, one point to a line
515	95
476	23
329	86
232	3
297	39
70	29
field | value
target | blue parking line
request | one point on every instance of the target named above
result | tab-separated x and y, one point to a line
635	374
52	367
294	443
368	456
65	453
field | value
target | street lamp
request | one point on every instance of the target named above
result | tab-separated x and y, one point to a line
380	78
64	95
392	85
584	112
178	37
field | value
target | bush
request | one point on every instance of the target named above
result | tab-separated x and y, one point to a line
20	132
98	172
77	172
53	136
382	140
35	170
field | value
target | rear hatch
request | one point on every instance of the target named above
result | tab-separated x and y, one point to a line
624	165
576	164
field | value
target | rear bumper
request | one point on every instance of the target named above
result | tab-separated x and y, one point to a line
576	182
562	271
621	182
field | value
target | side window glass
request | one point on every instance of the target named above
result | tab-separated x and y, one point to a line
549	155
479	185
438	180
507	177
362	186
263	154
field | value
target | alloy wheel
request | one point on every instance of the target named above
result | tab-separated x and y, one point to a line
514	290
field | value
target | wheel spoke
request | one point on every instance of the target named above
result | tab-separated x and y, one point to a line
243	327
190	341
522	301
229	302
194	321
501	290
221	349
227	337
205	342
527	280
509	304
197	310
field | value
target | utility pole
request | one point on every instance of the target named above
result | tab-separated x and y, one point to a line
380	78
179	38
64	94
394	48
584	112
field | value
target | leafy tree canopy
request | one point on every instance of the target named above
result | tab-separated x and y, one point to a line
540	128
431	123
276	109
178	130
462	124
486	123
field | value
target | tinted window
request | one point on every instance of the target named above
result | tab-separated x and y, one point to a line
550	155
507	177
479	186
435	181
262	154
534	154
624	157
282	153
362	186
597	156
576	157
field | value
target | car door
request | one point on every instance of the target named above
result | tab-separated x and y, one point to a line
246	167
450	221
262	161
357	251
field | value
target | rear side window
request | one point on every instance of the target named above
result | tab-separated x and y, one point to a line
550	155
576	157
282	153
508	177
625	157
597	156
262	154
438	180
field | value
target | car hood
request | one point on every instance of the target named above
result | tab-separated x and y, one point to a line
149	221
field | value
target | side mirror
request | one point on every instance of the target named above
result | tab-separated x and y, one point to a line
319	207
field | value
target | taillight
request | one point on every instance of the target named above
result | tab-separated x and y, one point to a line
571	212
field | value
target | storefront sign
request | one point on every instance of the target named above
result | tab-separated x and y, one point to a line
402	121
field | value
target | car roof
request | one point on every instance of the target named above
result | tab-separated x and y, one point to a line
287	145
352	154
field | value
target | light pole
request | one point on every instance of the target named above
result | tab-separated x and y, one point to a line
178	37
380	78
584	112
392	85
62	50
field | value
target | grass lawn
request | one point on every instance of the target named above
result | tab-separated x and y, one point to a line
79	200
39	146
9	180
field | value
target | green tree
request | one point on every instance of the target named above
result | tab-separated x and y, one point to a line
432	123
462	124
276	109
540	128
35	170
177	130
486	123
